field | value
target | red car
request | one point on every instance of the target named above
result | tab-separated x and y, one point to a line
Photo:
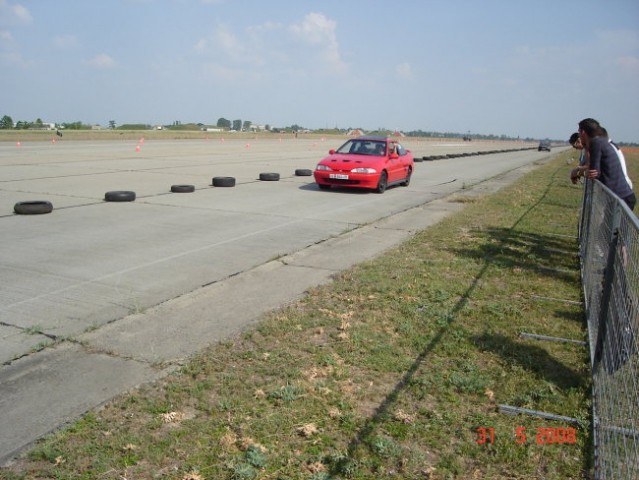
366	162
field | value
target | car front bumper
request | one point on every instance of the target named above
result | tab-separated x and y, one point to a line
349	179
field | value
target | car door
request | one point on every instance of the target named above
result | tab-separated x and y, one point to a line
395	167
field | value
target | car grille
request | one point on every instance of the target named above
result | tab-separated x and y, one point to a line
337	181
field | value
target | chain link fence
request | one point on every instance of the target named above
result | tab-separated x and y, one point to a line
608	234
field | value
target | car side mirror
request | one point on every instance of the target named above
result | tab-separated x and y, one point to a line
393	156
331	151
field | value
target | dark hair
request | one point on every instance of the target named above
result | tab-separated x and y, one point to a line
573	138
590	126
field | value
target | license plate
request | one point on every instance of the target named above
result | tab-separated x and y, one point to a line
338	176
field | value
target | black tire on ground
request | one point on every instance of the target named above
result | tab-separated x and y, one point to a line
323	187
269	177
34	207
383	182
406	182
223	181
303	172
182	188
119	196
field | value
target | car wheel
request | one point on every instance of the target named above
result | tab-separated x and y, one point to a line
119	196
223	181
269	177
323	187
406	182
182	188
303	172
34	207
383	182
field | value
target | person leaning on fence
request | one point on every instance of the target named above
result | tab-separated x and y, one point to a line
604	163
581	169
620	156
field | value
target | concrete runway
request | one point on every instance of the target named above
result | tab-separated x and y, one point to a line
98	297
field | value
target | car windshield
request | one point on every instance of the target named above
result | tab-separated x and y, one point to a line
363	147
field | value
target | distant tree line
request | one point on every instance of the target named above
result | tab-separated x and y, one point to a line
7	123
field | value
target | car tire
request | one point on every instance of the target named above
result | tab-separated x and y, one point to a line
406	182
119	196
383	182
33	207
323	187
303	172
269	177
182	188
223	181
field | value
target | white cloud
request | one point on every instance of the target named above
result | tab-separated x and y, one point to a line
221	72
629	64
404	71
223	42
65	41
102	61
229	42
14	14
5	37
14	59
620	40
319	31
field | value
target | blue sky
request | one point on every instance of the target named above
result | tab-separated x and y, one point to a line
504	67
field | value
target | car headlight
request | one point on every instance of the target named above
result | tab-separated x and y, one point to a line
323	168
363	170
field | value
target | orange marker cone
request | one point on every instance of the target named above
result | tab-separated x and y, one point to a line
137	148
18	144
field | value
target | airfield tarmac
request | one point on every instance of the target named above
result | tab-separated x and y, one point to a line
98	297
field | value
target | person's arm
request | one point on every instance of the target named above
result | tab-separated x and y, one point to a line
582	169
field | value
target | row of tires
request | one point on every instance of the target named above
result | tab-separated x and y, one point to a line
468	154
37	207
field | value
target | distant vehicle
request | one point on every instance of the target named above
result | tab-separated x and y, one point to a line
366	162
544	145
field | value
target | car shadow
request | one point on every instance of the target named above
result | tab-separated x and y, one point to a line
342	190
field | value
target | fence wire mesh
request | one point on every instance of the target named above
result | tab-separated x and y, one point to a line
608	234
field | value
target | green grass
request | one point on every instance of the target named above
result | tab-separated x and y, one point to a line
388	372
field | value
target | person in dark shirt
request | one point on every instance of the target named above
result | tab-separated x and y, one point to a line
604	162
581	169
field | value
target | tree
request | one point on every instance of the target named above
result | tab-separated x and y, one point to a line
112	124
237	125
247	125
6	122
223	123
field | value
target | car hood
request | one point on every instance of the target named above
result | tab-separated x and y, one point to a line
348	162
